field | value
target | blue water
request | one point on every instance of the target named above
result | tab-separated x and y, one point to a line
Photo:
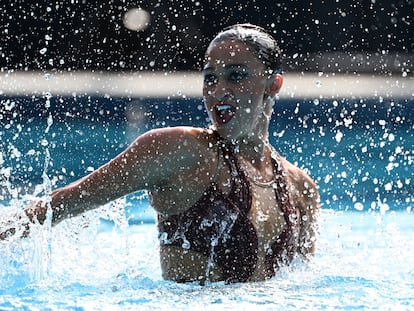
364	261
360	152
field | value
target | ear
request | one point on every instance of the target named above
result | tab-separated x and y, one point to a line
274	84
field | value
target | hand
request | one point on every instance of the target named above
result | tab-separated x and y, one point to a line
18	222
12	231
13	222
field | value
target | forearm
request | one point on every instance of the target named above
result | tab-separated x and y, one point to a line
70	201
66	202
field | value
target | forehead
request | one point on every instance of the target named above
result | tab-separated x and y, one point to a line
227	52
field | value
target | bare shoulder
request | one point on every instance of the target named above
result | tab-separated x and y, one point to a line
298	178
184	162
184	136
305	196
303	189
187	148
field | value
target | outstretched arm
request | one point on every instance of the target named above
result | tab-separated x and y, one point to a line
145	164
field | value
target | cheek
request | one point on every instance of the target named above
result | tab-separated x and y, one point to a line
253	88
206	96
205	92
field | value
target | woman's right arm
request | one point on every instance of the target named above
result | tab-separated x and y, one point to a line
152	160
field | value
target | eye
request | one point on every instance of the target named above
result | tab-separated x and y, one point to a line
237	75
210	79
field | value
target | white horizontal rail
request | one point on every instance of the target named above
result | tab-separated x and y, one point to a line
189	84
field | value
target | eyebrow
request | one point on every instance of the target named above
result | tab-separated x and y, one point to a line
227	67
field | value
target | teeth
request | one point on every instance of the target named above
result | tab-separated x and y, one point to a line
224	113
223	107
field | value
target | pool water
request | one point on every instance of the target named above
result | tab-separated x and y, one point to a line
360	152
364	261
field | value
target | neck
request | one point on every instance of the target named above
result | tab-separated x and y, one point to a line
254	146
257	152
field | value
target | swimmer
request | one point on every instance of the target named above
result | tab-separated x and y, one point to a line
229	206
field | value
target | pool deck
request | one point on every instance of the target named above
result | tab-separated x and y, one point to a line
189	84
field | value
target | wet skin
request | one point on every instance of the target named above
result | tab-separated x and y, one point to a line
177	164
234	77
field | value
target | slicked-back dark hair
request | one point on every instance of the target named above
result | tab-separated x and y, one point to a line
264	45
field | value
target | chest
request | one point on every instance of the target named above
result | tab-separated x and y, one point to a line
266	215
265	212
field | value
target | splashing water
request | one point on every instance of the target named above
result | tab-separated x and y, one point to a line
99	266
42	233
224	227
363	258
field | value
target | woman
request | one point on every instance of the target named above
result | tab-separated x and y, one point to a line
229	206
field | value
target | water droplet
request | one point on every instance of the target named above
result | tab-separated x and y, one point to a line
338	137
137	19
9	105
186	244
49	120
388	186
163	236
359	206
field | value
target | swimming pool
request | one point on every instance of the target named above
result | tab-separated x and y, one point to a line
359	150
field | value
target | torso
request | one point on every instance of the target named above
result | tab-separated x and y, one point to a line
181	262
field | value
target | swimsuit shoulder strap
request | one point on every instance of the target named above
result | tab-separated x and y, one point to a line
225	154
240	192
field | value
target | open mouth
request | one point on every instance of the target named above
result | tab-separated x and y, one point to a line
224	113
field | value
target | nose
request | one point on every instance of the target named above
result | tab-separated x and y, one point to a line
221	91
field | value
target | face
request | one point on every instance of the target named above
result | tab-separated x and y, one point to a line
234	89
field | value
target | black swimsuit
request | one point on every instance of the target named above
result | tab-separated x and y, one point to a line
218	226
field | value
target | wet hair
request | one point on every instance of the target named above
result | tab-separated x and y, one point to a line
264	45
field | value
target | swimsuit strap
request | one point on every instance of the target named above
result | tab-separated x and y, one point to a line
217	225
283	250
240	192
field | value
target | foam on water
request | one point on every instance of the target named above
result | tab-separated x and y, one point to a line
364	261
